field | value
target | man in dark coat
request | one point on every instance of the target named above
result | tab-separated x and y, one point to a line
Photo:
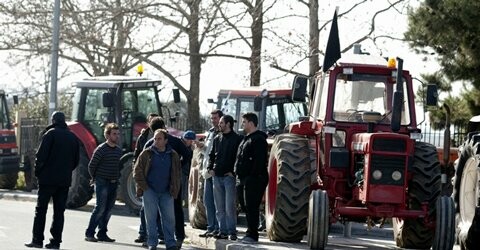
56	158
251	170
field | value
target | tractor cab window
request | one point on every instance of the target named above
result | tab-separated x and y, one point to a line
95	115
229	106
360	93
281	112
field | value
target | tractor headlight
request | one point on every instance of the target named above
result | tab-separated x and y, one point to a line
377	174
396	175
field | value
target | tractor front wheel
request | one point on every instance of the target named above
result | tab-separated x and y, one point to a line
445	229
127	190
80	192
318	220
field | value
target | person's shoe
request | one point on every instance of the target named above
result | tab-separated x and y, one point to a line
144	244
91	239
34	245
161	241
105	239
152	248
52	245
249	240
140	239
212	234
204	235
179	244
233	237
221	236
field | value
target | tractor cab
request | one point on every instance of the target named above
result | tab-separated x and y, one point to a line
274	107
120	99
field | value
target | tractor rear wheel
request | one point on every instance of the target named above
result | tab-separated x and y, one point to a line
425	186
288	190
127	190
196	209
445	224
466	187
318	220
80	191
8	181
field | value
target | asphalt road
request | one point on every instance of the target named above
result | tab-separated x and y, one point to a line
16	220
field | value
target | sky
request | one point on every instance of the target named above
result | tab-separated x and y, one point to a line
231	73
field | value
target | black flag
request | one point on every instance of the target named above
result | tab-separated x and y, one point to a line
332	53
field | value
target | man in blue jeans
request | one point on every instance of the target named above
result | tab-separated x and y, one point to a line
221	163
157	174
105	171
212	223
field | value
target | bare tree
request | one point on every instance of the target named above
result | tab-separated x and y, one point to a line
315	30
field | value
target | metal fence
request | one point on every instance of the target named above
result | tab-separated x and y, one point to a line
30	130
435	137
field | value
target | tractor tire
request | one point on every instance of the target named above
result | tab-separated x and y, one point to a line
80	192
196	209
8	181
425	186
462	187
127	191
318	220
468	195
288	190
445	224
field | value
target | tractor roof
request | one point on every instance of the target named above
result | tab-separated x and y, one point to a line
255	91
113	82
361	60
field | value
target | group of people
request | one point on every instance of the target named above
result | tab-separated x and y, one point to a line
236	168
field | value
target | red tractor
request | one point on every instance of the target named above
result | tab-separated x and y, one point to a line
358	158
100	100
9	156
275	110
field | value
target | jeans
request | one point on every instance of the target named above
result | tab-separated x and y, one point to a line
59	196
106	193
154	202
225	201
250	193
142	231
212	223
179	217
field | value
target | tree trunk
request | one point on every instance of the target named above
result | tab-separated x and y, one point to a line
314	64
257	33
195	68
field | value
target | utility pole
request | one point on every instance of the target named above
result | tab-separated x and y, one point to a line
54	64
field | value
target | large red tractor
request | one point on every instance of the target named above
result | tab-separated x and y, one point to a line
358	158
9	157
100	100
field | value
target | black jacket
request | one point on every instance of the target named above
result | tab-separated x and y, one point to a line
57	156
224	152
252	156
141	141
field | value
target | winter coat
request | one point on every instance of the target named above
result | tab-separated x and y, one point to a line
142	166
252	156
57	156
224	153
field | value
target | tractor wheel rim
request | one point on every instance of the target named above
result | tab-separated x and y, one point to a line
468	190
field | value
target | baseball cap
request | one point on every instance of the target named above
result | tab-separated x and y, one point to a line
189	135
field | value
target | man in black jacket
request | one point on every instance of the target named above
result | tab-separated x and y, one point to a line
221	163
251	170
56	158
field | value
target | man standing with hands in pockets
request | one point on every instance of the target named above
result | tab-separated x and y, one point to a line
251	170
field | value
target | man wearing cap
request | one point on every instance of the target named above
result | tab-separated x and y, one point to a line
56	158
